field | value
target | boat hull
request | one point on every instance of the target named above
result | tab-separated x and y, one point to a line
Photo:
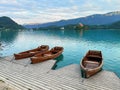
91	64
45	56
88	73
30	53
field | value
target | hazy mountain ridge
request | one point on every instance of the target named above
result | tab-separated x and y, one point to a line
96	19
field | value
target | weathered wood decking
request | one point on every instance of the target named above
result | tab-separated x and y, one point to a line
24	76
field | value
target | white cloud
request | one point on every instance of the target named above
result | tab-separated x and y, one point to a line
46	15
9	2
72	1
90	6
40	11
111	1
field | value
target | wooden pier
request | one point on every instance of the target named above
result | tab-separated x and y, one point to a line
21	75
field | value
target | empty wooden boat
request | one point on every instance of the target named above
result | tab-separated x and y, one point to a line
91	63
30	53
51	54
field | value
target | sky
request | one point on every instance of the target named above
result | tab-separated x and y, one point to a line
42	11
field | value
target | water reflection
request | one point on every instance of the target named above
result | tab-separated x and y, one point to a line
102	35
60	58
88	35
75	42
8	36
96	35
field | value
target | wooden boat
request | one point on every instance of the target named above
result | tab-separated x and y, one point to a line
91	63
30	53
51	54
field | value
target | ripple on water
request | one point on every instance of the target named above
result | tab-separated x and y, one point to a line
75	43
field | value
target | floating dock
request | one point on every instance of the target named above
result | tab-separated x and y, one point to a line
22	75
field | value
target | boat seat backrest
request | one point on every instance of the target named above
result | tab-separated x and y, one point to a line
94	56
98	53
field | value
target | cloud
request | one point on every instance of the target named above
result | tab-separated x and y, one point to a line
88	6
40	11
48	15
72	1
8	2
106	1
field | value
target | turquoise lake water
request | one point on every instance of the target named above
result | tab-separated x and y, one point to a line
75	42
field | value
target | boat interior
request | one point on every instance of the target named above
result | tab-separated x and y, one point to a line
92	60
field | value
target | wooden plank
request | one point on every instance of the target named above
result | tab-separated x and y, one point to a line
41	76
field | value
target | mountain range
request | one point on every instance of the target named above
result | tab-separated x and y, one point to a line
96	19
8	23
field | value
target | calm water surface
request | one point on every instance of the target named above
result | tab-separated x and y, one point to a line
75	43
